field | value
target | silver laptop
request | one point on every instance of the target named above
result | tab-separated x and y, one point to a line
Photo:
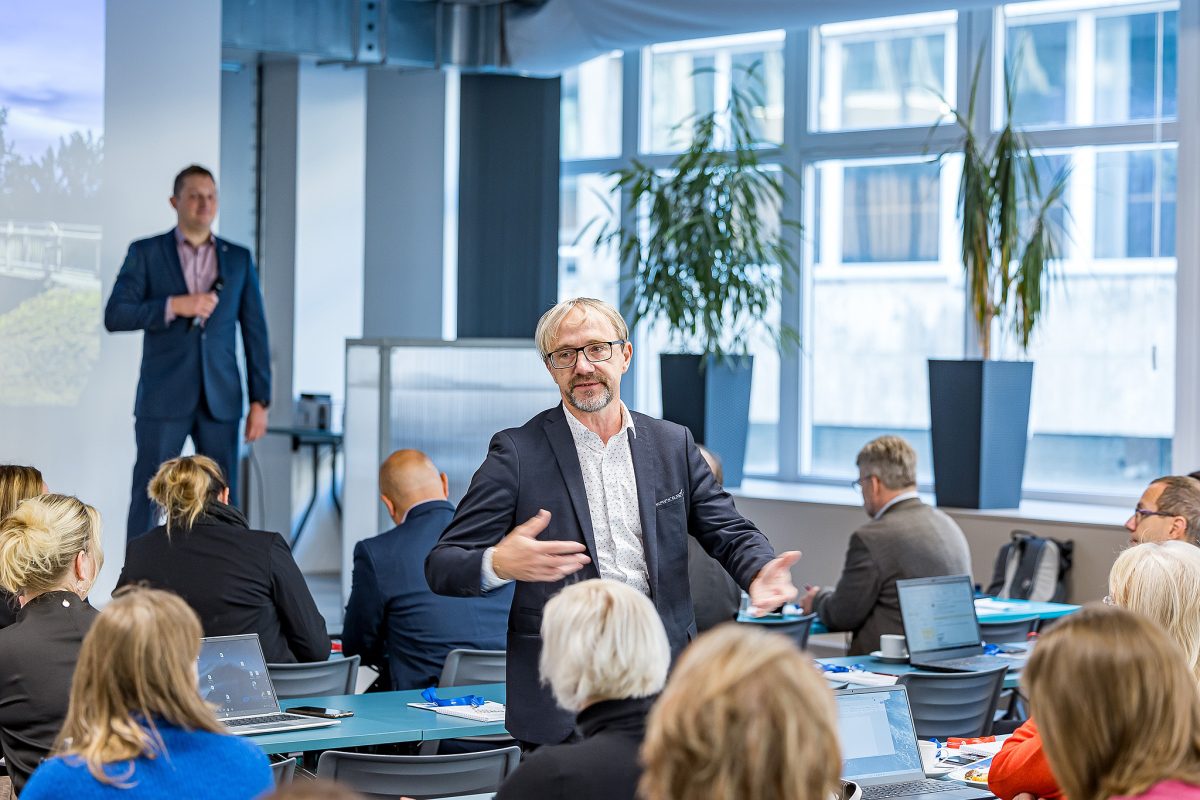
233	678
879	748
941	627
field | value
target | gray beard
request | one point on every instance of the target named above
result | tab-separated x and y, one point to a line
593	405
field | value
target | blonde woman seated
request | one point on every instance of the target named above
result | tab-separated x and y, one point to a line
605	655
17	483
137	727
1117	707
744	716
237	579
49	556
1160	581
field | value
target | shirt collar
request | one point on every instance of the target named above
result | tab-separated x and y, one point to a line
179	239
897	499
582	432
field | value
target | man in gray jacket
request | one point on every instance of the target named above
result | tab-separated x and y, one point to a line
904	539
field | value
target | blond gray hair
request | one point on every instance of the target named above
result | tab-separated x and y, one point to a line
547	328
891	459
1161	581
745	715
602	640
40	539
184	486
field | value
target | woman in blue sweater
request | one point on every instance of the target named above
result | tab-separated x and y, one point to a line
136	727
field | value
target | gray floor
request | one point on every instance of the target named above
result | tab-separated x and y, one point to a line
326	589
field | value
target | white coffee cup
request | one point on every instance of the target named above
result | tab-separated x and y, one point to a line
928	754
892	645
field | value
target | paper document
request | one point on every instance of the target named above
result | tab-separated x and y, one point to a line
488	712
858	678
992	604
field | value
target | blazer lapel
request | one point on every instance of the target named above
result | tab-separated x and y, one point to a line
645	467
171	254
563	445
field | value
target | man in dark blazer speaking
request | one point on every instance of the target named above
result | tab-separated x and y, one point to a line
589	489
188	290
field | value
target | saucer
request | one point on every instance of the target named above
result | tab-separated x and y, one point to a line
938	770
879	656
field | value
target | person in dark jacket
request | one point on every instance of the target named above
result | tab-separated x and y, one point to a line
49	556
236	579
17	483
393	619
715	595
605	656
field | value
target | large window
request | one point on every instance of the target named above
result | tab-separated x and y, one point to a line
868	113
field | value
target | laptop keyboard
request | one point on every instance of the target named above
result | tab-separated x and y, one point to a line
905	789
266	719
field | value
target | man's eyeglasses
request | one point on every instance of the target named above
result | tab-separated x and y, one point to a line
1139	512
596	351
858	484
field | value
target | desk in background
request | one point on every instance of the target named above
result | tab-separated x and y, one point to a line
381	718
314	439
1011	679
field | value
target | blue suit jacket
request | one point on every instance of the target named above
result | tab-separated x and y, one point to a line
395	620
536	466
179	360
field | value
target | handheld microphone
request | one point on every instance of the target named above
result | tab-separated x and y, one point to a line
217	286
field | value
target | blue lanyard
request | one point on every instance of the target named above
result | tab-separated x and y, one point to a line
840	668
430	696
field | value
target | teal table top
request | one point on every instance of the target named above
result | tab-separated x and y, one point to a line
987	609
381	718
869	664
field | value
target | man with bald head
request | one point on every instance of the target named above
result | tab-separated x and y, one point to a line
393	620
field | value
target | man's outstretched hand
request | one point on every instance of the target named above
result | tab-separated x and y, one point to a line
772	586
522	556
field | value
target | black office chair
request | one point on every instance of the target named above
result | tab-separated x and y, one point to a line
419	777
283	771
953	703
1014	630
316	679
467	668
795	629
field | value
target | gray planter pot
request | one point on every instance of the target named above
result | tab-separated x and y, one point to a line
712	399
979	422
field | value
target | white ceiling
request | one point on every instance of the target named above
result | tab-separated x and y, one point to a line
563	33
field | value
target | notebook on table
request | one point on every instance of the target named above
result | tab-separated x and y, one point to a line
233	678
879	748
941	627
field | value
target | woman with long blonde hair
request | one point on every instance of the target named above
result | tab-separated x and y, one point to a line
744	715
137	727
17	483
49	556
237	580
1117	706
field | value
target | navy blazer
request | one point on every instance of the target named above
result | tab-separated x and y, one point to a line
536	466
178	360
393	620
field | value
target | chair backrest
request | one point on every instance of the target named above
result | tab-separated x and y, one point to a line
316	679
419	777
954	703
283	771
797	630
466	667
1014	630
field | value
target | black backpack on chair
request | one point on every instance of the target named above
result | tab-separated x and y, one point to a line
1032	567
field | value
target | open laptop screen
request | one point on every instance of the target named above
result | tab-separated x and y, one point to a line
233	676
939	613
875	730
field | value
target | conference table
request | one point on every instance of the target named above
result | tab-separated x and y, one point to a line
869	664
987	609
381	718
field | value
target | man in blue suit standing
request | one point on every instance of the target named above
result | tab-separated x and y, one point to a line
393	619
189	290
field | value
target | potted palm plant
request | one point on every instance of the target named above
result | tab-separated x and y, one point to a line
708	259
1011	235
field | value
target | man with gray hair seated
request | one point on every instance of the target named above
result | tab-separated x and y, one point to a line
904	539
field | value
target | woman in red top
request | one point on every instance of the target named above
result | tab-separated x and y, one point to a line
1160	581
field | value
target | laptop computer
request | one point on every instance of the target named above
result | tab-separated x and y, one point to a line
879	748
233	677
941	628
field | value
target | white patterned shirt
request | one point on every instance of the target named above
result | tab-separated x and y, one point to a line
611	488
